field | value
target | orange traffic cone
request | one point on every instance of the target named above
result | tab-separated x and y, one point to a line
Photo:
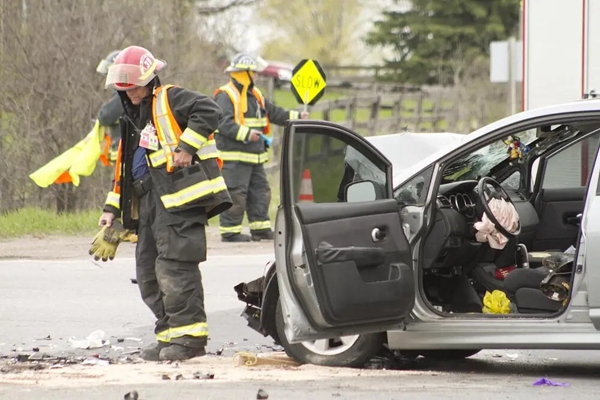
306	190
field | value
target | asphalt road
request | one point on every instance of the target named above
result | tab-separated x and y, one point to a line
64	299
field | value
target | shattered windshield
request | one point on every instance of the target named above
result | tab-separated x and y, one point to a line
480	163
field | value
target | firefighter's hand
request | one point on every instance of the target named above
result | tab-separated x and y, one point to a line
182	159
254	135
106	219
304	115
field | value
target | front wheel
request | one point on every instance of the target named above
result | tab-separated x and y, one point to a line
345	351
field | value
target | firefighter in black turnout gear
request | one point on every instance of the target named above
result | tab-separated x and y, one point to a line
242	142
167	185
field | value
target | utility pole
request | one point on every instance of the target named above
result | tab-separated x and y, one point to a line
511	75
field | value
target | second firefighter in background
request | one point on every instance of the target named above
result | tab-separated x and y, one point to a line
247	115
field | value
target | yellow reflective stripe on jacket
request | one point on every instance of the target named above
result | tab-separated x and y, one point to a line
194	192
165	129
230	229
208	150
242	133
157	158
259	225
234	96
238	116
294	114
255	122
192	138
199	329
113	199
240	156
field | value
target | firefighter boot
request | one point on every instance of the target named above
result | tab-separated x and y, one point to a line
265	234
151	352
235	238
178	352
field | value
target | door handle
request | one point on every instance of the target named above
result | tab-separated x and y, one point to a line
378	234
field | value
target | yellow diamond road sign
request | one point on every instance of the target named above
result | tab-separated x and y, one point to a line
308	82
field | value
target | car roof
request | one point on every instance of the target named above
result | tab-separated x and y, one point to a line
562	108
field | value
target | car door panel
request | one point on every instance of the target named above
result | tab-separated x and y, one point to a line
557	228
358	279
343	267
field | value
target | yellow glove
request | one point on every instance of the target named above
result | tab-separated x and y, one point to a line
105	243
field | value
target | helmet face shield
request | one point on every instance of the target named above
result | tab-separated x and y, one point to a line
127	76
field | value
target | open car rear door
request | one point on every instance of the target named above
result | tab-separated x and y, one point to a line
343	261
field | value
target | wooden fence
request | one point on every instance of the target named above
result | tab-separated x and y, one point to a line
391	113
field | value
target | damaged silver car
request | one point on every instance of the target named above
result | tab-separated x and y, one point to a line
486	242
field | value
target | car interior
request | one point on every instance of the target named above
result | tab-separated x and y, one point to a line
543	173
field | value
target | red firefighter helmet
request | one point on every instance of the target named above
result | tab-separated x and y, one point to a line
134	66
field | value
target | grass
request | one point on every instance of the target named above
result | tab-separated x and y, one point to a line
39	222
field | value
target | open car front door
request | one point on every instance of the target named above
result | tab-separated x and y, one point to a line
343	261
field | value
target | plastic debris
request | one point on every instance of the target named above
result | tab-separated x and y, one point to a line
35	356
179	377
133	395
134	339
262	394
199	375
244	358
120	340
36	349
512	356
571	250
165	377
548	382
95	361
57	366
93	341
133	280
496	303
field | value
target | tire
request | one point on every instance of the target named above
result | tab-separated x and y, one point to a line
350	351
441	355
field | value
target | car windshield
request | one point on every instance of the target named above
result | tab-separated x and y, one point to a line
480	163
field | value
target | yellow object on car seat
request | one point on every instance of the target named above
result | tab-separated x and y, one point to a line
496	303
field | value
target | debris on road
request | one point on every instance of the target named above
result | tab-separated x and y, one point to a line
133	280
95	361
179	377
165	377
93	341
512	357
548	382
133	395
262	394
199	375
243	358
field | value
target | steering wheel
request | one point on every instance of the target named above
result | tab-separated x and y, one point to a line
485	195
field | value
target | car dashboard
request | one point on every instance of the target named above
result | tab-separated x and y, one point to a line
451	240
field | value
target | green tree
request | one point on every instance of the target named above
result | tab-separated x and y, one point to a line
435	40
323	30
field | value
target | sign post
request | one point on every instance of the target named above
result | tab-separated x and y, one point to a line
308	82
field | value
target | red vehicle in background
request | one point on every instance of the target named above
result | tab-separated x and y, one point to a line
280	71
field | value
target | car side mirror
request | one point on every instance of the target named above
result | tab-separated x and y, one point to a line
361	191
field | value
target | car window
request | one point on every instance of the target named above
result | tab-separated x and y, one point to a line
572	167
414	192
324	163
